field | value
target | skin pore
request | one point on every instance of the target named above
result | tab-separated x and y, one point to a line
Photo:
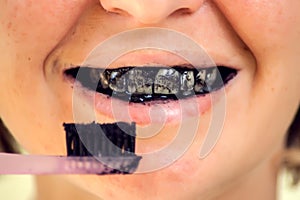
39	39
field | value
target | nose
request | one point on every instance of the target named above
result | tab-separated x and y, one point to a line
151	11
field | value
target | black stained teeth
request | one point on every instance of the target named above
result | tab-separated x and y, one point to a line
200	81
140	81
143	84
166	81
115	79
187	82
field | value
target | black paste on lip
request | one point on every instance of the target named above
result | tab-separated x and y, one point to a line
84	77
113	143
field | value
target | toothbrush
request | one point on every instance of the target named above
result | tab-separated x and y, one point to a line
41	165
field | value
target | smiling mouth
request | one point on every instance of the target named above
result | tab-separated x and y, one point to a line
142	84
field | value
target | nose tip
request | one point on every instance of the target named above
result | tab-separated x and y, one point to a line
150	11
151	14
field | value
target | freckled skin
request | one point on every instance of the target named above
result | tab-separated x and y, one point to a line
261	38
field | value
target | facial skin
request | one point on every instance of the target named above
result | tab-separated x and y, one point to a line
39	39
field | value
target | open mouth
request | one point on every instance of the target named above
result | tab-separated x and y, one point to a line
140	84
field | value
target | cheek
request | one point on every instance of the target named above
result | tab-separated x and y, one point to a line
265	26
271	29
30	31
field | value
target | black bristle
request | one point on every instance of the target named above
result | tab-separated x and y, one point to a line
114	139
113	145
132	144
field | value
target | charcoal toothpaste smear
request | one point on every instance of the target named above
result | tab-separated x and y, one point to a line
111	144
152	83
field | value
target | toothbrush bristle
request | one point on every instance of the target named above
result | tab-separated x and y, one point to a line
115	140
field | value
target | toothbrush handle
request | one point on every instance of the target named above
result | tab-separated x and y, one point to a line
39	164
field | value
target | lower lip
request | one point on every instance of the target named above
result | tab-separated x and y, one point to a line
144	114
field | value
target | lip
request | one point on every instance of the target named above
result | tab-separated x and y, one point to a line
62	59
155	112
153	57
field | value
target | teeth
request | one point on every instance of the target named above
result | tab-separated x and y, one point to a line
139	82
163	81
200	81
117	81
211	77
97	75
166	82
131	83
148	83
187	82
104	80
144	84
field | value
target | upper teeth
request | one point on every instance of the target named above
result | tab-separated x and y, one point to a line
166	81
200	81
187	82
140	82
117	82
153	80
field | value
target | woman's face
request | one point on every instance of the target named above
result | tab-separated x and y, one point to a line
260	39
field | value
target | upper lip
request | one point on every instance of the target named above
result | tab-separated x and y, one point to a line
140	58
221	52
152	58
156	58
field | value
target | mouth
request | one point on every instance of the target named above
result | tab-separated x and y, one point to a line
151	94
146	84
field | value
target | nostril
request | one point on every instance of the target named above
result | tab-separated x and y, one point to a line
118	11
182	11
109	8
151	11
